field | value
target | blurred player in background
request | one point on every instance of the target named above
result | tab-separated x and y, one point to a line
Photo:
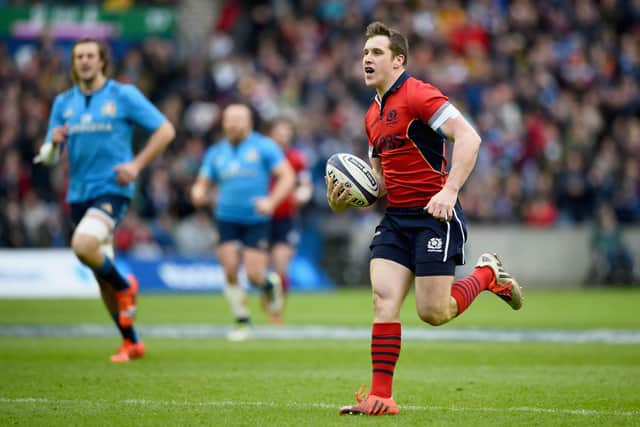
422	234
284	235
241	165
94	120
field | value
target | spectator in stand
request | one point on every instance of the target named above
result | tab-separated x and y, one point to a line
540	210
574	196
539	79
612	260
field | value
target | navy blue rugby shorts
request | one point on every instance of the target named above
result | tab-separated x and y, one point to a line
251	235
284	230
112	205
420	242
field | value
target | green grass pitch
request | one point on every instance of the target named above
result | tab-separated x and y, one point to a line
58	381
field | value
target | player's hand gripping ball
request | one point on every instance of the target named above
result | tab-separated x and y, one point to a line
357	176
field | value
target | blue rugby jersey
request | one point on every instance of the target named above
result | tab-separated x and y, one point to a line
242	174
99	135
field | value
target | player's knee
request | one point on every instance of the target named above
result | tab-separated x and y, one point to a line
230	273
434	315
255	277
90	233
230	270
232	278
84	245
384	308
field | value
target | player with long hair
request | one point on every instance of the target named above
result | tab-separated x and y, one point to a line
94	121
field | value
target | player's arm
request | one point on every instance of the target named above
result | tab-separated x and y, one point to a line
465	151
158	142
51	149
200	191
285	181
376	165
304	188
304	184
207	176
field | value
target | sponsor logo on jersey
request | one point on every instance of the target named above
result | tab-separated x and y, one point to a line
434	244
252	156
390	142
86	118
89	127
109	109
68	113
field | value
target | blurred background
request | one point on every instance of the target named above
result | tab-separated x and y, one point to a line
553	87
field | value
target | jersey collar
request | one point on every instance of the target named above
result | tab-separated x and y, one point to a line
404	76
252	135
107	82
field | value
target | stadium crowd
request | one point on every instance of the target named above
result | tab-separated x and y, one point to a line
552	87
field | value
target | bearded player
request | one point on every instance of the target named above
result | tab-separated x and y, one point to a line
94	120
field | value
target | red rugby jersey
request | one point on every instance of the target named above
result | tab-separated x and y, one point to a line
400	129
288	207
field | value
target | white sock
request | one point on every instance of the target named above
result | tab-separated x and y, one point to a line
237	298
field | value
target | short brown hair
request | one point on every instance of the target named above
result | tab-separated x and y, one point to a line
102	50
397	42
281	119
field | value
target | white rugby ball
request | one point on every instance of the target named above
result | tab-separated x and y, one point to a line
356	175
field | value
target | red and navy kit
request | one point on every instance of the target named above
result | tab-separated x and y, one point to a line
288	207
402	130
283	220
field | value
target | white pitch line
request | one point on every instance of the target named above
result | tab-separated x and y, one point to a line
306	332
305	405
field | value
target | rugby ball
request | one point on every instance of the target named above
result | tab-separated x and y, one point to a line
356	175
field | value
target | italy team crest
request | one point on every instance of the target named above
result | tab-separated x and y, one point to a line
252	156
109	109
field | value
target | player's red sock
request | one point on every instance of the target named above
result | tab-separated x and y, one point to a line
285	283
385	350
466	290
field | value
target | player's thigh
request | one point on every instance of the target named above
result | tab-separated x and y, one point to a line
229	256
390	282
95	221
281	255
433	295
255	263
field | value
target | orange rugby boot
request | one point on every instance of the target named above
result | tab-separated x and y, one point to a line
128	351
372	405
505	286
